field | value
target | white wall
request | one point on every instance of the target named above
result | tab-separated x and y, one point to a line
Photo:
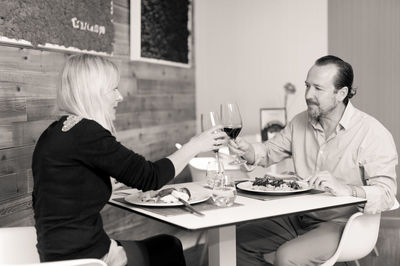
246	50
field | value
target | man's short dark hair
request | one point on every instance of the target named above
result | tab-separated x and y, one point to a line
344	76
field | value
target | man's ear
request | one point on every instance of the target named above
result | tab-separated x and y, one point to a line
342	93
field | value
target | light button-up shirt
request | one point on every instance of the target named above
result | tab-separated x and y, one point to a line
361	152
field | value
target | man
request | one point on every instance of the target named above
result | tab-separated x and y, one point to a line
336	148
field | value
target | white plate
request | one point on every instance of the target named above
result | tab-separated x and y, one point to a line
248	186
196	197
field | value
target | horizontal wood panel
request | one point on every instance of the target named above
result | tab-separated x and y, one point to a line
151	71
121	3
146	86
12	110
42	109
12	160
17	212
157	141
121	14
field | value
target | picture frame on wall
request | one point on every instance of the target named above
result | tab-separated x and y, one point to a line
272	120
161	32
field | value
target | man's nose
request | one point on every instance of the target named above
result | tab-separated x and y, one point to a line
309	93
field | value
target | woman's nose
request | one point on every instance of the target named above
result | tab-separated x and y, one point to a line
119	96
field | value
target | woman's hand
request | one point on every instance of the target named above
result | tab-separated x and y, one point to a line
242	148
211	139
325	181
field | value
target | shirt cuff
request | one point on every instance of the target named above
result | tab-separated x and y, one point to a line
376	200
259	154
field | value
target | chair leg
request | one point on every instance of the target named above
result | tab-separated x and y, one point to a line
376	251
357	263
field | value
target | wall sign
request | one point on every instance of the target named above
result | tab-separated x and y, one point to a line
161	31
77	25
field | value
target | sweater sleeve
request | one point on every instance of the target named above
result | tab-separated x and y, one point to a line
101	151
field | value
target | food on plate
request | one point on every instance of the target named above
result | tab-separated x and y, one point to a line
270	183
165	195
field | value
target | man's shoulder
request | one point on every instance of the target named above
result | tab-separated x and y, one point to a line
370	123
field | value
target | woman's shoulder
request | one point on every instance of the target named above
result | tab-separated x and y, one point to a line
80	125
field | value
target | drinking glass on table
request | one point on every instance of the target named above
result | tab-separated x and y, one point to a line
232	122
209	120
224	191
212	172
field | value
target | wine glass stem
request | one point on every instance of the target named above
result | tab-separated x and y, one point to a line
219	166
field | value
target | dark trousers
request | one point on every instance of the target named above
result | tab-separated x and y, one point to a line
160	250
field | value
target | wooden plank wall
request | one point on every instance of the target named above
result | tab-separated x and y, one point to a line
158	110
367	33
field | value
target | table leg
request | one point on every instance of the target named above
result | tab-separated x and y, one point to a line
222	246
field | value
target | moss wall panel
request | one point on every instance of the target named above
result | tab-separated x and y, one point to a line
158	111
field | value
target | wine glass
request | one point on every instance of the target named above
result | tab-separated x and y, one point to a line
209	120
232	122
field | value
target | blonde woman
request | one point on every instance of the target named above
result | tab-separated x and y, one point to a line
72	164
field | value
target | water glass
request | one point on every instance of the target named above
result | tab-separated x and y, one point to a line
224	191
212	172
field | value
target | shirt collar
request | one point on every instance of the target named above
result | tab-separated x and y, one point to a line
345	121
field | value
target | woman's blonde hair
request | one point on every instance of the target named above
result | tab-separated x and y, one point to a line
85	79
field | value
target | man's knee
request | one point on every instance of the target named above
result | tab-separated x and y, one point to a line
289	256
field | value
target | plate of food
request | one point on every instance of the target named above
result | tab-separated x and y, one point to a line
165	197
274	186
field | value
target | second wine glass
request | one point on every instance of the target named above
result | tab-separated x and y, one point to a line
209	120
232	122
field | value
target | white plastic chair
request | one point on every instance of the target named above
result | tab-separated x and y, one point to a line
358	238
18	247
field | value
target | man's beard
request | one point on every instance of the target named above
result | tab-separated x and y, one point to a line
313	109
316	112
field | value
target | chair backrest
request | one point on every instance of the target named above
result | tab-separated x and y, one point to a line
79	262
358	238
18	245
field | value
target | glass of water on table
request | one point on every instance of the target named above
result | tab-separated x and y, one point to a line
223	188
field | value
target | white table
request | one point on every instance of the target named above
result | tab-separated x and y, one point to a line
221	222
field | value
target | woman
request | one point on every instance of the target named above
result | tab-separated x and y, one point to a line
72	164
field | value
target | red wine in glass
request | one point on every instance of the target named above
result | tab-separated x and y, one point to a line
232	132
232	121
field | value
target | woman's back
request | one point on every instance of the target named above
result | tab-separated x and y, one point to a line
68	194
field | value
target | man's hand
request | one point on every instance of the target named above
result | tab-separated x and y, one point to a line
242	148
325	181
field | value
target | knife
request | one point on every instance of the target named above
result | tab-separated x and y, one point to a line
187	204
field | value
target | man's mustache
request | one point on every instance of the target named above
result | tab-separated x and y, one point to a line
309	102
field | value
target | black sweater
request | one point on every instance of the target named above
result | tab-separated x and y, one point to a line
71	173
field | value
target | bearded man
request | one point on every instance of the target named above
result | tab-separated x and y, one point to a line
334	147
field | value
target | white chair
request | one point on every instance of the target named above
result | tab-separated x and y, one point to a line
18	247
358	238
